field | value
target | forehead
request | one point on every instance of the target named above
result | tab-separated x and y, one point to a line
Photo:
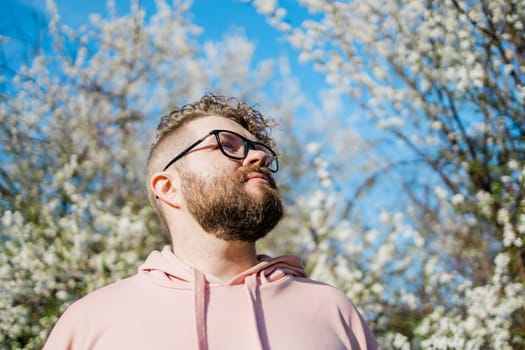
202	126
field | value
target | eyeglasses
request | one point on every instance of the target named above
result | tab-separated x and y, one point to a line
234	146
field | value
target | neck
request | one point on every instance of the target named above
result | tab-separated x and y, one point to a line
222	259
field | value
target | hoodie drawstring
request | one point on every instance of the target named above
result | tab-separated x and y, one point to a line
167	270
250	283
199	299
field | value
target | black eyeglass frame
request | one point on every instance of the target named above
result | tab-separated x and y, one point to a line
248	145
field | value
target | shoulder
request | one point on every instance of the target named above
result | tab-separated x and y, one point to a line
107	300
107	293
322	290
93	309
327	300
89	315
321	298
330	306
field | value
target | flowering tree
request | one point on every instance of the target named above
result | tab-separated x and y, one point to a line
75	126
441	268
444	83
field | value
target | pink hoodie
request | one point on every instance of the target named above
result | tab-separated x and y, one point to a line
169	305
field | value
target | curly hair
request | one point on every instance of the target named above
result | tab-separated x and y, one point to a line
231	108
209	105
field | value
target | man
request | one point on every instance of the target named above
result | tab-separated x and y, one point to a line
209	178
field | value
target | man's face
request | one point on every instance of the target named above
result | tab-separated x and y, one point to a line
231	199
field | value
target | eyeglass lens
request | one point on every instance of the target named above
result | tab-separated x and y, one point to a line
235	147
232	144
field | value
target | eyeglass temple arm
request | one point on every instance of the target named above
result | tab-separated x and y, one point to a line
186	150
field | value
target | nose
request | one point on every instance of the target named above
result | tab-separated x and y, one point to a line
255	157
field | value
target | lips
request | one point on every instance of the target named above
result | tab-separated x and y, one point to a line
255	176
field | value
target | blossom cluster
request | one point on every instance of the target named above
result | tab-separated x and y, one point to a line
422	225
443	84
76	127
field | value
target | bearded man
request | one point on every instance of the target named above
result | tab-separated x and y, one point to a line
209	179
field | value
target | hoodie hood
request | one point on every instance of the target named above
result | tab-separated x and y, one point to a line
165	269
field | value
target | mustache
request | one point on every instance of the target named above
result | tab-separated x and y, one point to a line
244	172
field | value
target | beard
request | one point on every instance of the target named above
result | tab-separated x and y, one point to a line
224	208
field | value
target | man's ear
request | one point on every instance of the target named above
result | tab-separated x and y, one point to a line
166	186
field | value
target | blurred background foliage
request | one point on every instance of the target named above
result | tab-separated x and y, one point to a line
412	201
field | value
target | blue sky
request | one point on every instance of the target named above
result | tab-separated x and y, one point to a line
216	18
